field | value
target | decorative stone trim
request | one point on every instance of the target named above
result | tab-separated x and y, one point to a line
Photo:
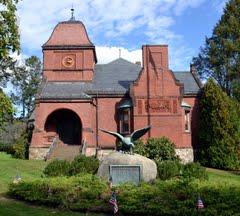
185	154
37	153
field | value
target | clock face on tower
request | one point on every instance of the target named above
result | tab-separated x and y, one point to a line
68	61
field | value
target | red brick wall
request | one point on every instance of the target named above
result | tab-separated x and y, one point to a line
82	69
157	97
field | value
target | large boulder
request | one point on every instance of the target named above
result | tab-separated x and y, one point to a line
148	167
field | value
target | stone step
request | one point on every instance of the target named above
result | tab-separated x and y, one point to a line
67	152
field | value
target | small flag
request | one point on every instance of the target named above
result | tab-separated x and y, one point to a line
113	201
17	179
200	203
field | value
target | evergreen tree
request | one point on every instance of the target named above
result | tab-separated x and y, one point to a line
26	83
9	37
219	129
220	57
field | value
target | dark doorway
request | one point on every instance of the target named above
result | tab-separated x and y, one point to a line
66	124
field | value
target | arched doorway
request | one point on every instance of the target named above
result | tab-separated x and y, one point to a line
66	124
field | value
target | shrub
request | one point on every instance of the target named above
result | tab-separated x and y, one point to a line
194	170
8	148
21	147
85	192
140	147
57	168
90	193
168	169
83	164
160	149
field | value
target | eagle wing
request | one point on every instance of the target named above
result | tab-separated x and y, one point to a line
139	133
117	135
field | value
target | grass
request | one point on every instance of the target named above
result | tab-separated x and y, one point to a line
10	167
223	177
14	208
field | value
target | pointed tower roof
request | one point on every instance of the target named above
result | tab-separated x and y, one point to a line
70	35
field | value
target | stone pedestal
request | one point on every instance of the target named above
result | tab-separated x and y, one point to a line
148	168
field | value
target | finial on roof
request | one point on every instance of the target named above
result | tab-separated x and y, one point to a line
72	17
119	53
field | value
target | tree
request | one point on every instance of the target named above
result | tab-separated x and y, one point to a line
7	110
26	83
9	36
220	57
219	129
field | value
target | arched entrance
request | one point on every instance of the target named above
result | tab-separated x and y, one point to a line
66	124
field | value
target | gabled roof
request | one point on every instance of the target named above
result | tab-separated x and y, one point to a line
113	78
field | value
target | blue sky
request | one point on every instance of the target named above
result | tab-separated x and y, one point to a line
125	25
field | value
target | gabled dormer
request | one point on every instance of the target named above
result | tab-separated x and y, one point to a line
69	55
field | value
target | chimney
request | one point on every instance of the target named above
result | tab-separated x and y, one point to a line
192	69
138	63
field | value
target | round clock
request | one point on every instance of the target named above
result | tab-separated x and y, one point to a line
68	61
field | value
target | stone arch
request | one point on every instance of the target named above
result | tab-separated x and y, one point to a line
66	124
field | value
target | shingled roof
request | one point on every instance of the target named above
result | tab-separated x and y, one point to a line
109	79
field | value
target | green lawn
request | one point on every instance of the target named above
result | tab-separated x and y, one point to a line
10	167
223	177
14	208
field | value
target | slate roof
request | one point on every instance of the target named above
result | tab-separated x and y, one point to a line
109	79
191	85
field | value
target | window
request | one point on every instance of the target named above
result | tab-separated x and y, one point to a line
125	117
125	121
187	121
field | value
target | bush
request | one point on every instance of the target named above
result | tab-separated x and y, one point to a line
85	192
21	147
194	170
160	149
90	193
140	147
168	169
8	148
57	168
83	164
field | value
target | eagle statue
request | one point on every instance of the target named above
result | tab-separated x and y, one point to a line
127	142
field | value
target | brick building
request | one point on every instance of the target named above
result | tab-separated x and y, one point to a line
79	96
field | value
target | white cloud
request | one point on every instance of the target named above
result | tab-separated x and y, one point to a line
110	24
108	54
181	5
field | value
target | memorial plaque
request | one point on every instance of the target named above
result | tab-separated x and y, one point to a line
125	173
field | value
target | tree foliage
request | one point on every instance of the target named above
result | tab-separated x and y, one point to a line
26	82
219	129
12	131
9	36
6	111
220	57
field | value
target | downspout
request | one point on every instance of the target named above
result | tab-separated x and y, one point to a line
97	141
148	88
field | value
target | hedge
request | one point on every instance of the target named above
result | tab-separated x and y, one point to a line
88	193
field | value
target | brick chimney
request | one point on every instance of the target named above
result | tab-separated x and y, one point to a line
155	56
138	63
